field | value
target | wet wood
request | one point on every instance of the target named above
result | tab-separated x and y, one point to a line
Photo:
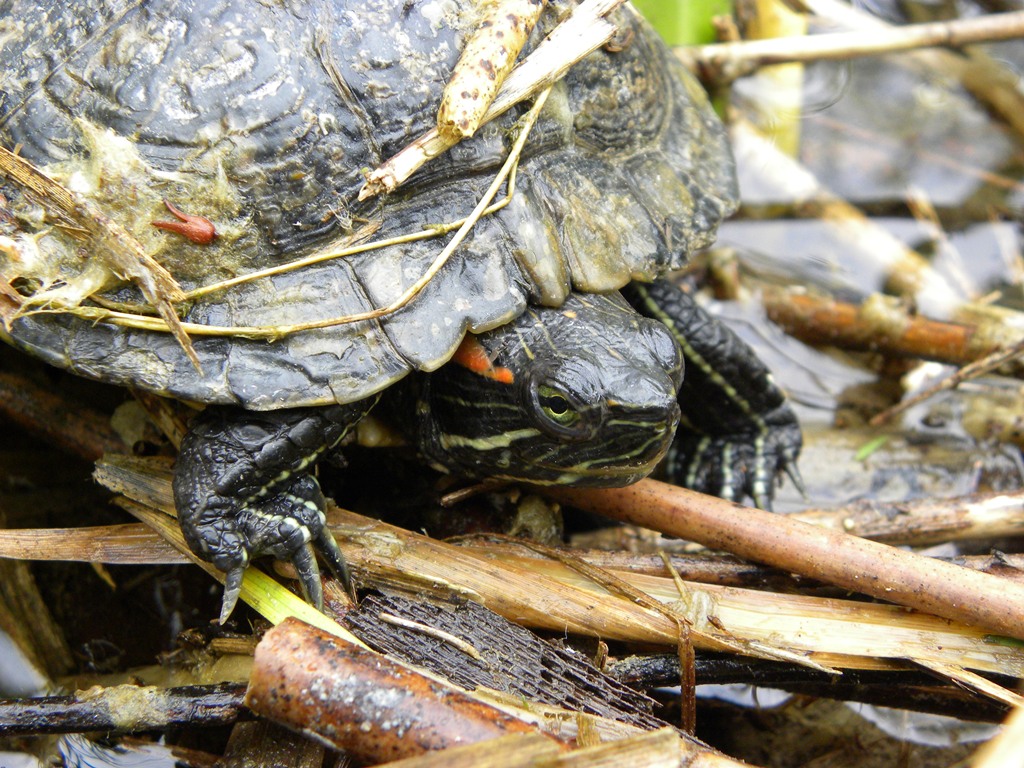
879	325
980	367
359	701
123	708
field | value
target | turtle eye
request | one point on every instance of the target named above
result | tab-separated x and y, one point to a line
556	406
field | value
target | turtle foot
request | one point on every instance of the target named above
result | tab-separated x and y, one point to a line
740	466
243	489
290	526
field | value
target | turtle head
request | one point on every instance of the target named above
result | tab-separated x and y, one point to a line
584	394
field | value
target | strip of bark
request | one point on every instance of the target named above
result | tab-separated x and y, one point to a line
473	647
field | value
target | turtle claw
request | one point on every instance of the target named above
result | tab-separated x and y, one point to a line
793	472
232	590
304	561
335	560
762	501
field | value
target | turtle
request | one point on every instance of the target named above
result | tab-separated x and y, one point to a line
230	140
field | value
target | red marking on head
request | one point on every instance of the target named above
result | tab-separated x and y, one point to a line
472	355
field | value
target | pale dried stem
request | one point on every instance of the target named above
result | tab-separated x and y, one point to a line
728	61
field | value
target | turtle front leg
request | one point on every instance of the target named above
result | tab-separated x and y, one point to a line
738	434
243	488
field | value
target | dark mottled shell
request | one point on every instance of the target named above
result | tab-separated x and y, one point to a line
263	115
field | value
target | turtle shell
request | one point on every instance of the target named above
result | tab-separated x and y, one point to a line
263	117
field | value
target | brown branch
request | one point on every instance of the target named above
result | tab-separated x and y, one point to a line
878	325
936	587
